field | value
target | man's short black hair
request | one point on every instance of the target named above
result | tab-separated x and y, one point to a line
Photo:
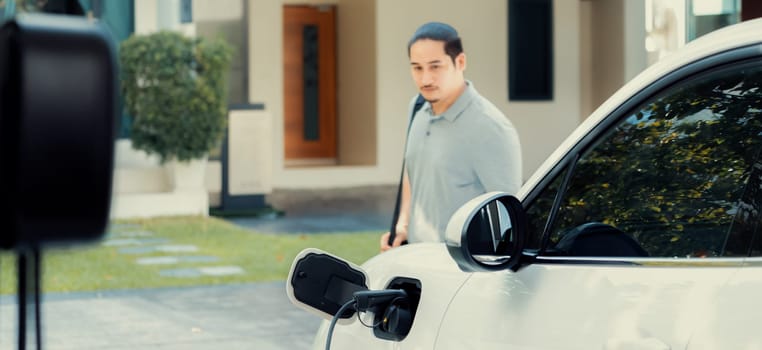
439	32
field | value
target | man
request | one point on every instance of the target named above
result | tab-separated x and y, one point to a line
459	144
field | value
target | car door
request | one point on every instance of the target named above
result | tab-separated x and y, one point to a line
728	322
640	229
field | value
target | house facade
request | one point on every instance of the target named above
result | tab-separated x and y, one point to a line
591	58
319	89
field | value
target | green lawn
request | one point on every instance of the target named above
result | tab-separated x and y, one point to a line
264	257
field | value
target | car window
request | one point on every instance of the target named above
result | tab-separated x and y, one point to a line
752	198
671	178
539	211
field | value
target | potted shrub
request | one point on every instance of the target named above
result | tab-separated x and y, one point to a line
175	88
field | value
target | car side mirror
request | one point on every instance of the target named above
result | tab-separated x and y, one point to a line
488	233
321	283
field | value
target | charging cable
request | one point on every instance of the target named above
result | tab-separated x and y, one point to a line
362	301
335	318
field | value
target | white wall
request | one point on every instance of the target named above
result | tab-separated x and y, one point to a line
146	16
635	55
613	47
587	105
356	90
216	10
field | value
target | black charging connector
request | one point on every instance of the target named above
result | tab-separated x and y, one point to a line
368	299
365	300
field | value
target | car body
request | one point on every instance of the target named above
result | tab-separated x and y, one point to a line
641	231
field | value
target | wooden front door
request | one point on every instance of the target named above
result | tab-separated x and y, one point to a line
309	66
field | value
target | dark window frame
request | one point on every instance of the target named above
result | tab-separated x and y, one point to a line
530	50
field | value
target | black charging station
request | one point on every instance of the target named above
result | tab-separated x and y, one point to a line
58	100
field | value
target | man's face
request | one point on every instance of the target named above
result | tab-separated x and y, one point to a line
437	77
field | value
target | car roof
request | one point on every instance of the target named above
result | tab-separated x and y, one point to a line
728	38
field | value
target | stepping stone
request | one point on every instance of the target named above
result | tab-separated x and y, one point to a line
180	273
158	260
124	227
120	242
208	271
169	260
133	241
134	234
177	248
137	250
221	270
198	259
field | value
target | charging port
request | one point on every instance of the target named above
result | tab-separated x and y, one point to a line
394	321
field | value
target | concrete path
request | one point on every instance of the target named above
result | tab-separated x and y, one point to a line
316	223
247	316
339	210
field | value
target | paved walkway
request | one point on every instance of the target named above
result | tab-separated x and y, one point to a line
344	210
247	316
316	223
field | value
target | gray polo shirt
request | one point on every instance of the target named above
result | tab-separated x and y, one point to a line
470	149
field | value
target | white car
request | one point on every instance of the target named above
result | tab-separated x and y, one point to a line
641	231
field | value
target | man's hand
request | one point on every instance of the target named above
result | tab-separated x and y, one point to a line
401	235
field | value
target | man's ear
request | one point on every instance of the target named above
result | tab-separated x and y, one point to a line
460	61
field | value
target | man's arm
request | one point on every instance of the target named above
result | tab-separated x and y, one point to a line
404	217
402	220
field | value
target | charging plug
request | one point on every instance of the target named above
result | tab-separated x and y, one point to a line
366	299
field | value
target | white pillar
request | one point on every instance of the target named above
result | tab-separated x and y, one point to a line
635	55
169	14
146	16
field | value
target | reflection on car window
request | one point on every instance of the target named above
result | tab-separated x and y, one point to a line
539	211
680	176
752	202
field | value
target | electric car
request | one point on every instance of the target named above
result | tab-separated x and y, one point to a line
641	231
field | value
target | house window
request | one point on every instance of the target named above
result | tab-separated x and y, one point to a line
530	50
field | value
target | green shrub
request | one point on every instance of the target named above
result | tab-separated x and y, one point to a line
176	90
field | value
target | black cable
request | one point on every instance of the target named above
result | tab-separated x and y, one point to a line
367	325
396	300
419	101
335	318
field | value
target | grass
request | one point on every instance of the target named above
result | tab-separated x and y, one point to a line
264	257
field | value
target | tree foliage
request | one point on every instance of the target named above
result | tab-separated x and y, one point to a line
175	88
681	173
